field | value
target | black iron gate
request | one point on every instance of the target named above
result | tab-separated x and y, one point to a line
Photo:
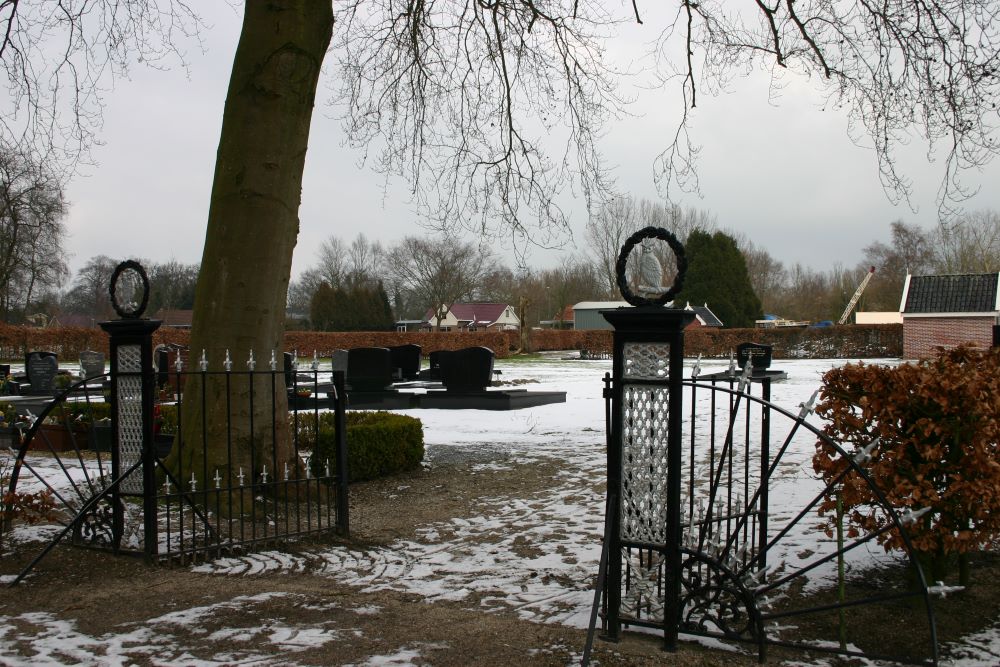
115	468
713	523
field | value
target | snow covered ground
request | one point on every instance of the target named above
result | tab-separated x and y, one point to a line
550	584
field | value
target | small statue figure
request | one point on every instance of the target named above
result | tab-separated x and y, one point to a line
650	273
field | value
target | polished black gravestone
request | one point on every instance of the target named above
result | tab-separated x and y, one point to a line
41	369
405	362
369	381
466	375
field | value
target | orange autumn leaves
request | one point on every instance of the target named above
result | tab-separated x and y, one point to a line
938	426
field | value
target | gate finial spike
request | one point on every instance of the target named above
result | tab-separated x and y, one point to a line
228	363
178	362
274	361
809	406
910	516
315	361
745	378
203	363
251	362
865	455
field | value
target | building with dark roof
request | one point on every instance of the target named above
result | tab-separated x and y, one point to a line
703	317
947	311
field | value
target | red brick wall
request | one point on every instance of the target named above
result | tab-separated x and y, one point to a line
922	334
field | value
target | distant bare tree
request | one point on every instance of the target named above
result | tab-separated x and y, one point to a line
900	68
32	208
609	227
969	245
767	274
89	293
910	250
439	271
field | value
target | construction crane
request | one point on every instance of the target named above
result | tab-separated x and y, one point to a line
857	295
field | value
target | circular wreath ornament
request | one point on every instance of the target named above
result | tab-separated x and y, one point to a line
129	290
678	249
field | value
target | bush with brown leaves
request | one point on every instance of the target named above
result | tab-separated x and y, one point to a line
937	422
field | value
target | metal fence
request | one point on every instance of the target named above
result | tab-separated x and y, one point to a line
177	481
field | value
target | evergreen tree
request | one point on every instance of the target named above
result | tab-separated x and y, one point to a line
717	276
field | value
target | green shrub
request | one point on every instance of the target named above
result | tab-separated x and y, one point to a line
378	444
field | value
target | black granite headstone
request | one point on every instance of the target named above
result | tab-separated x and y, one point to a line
41	369
369	369
757	354
405	361
469	369
289	372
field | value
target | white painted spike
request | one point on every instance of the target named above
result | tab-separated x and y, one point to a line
274	361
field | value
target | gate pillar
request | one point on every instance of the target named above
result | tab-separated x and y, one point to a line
132	394
642	585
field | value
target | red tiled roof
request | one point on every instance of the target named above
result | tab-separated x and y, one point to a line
478	313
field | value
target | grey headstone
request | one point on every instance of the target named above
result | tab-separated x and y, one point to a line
339	361
91	364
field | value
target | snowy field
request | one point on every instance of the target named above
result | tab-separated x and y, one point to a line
448	560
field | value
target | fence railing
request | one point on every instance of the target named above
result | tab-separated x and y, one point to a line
223	465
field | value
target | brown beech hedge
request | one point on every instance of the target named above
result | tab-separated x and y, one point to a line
938	425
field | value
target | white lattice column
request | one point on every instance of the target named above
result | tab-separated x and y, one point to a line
644	476
132	392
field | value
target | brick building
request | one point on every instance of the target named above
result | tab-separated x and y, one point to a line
946	311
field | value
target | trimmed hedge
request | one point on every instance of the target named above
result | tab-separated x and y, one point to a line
378	444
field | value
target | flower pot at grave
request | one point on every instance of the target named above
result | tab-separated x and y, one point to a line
10	435
101	438
58	438
163	443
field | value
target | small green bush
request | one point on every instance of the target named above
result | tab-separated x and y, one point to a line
378	444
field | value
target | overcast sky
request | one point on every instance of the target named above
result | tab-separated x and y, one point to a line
785	174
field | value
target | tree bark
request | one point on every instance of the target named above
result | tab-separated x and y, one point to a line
252	230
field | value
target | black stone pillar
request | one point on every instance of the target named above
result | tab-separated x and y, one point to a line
133	389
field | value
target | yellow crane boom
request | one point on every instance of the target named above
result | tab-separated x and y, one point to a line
857	295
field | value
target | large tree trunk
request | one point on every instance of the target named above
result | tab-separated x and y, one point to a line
252	228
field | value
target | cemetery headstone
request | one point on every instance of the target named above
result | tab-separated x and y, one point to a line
91	364
758	355
405	361
369	369
469	369
339	360
41	369
289	372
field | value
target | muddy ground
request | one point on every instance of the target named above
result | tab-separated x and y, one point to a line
88	607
